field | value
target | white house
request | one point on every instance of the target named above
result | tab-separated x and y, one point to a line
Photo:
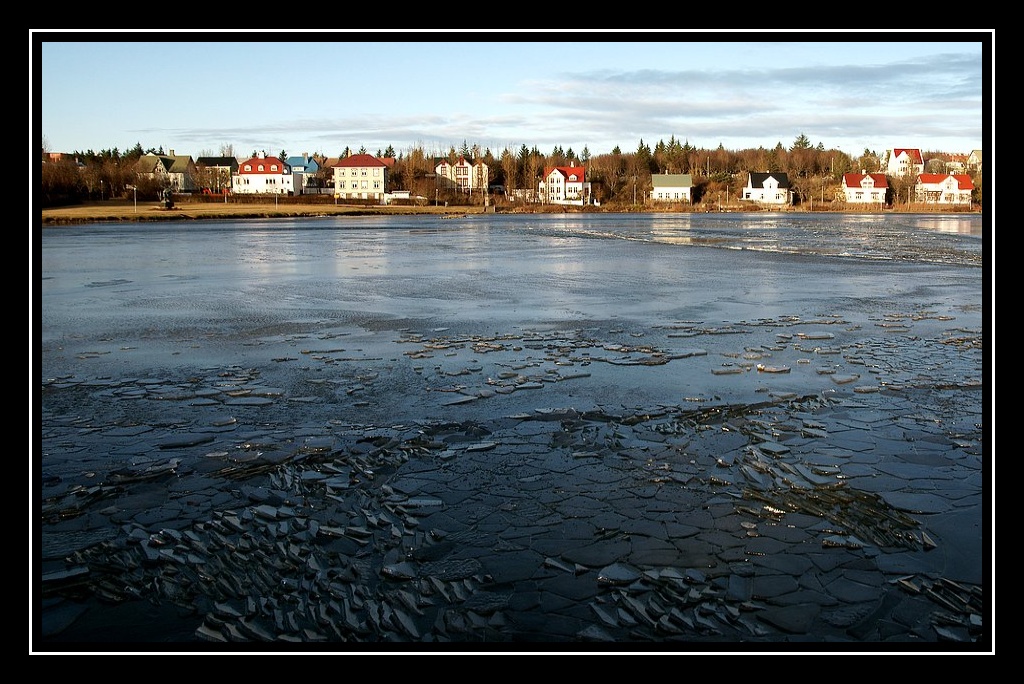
904	162
974	159
672	187
360	176
462	175
865	188
564	185
265	175
768	188
943	188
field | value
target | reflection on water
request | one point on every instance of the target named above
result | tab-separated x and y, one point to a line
951	224
895	237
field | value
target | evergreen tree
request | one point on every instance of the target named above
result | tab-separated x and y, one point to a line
801	143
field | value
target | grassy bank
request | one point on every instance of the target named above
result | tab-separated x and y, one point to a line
128	211
119	210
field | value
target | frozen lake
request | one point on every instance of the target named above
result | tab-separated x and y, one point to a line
519	347
180	294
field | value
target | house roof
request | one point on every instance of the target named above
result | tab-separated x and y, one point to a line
672	180
853	180
180	163
963	181
460	161
305	161
176	163
210	162
360	160
757	180
567	171
913	154
267	163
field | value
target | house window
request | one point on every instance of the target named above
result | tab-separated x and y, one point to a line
273	167
260	167
363	185
376	172
248	167
355	184
376	185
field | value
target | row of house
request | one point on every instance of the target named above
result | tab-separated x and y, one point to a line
365	177
773	189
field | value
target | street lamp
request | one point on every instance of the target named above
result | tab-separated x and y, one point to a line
135	197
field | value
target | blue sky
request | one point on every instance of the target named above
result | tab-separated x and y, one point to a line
200	92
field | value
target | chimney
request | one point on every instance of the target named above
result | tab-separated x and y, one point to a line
170	153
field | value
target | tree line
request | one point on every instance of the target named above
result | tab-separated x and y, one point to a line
814	171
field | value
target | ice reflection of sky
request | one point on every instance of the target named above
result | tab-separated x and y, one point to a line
951	224
900	237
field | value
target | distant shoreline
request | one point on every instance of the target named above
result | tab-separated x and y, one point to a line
116	211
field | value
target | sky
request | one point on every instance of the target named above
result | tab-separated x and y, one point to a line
202	93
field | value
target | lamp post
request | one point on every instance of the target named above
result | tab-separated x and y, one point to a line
135	197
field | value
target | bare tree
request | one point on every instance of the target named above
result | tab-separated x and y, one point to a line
509	166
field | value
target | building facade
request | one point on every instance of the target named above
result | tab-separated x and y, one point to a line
263	174
462	174
564	185
768	188
176	172
672	187
904	162
214	174
360	177
944	188
865	188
